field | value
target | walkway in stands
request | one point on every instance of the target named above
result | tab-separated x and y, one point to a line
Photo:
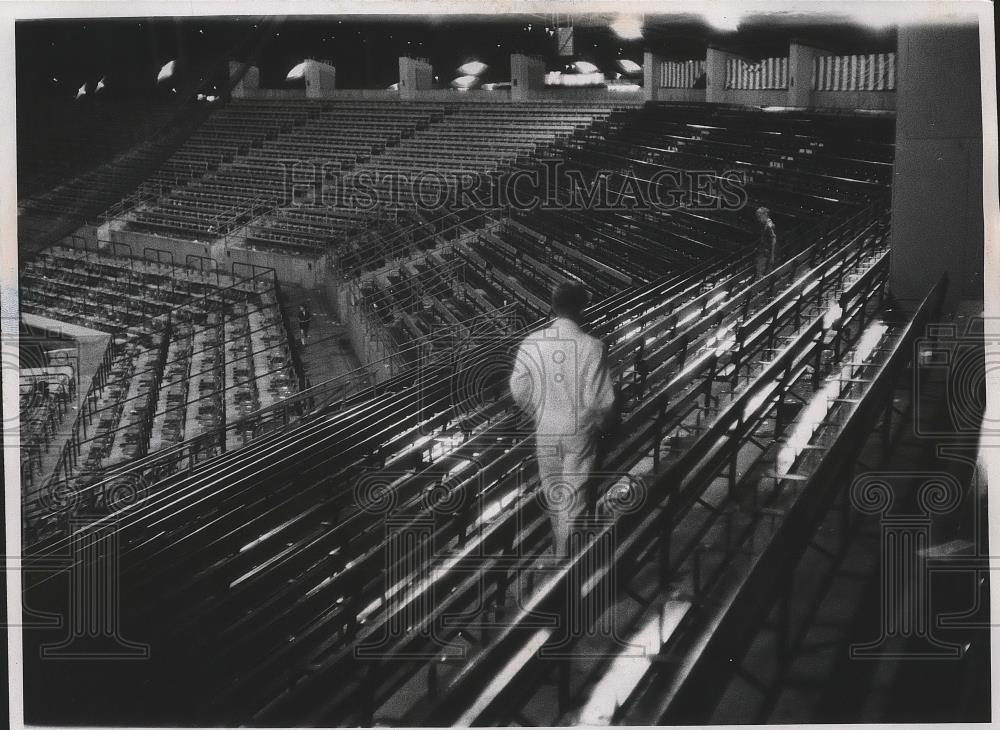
327	352
824	683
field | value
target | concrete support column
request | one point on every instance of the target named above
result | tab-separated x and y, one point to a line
415	75
651	63
321	77
527	76
937	192
249	83
715	74
800	72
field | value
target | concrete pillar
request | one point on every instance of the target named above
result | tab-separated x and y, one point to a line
321	77
527	76
651	75
715	74
248	85
937	193
800	72
415	74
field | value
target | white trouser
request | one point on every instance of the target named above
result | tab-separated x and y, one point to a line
565	464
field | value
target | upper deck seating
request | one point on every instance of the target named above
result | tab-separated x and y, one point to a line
254	157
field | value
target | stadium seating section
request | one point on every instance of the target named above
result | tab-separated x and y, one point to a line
77	161
190	349
374	562
517	262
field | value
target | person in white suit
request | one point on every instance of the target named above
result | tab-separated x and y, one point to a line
561	379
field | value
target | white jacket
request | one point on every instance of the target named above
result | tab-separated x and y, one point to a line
561	379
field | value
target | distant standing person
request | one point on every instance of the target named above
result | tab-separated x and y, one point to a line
767	243
305	318
561	379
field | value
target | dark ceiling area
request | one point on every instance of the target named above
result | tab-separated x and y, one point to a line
56	57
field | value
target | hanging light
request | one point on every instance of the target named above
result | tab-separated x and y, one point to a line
298	71
464	82
628	27
628	66
472	68
82	91
167	71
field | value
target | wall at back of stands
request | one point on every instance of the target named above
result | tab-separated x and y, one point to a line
249	88
807	77
276	94
303	271
876	100
473	96
725	78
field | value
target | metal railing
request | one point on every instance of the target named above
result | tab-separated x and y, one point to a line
397	245
733	608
